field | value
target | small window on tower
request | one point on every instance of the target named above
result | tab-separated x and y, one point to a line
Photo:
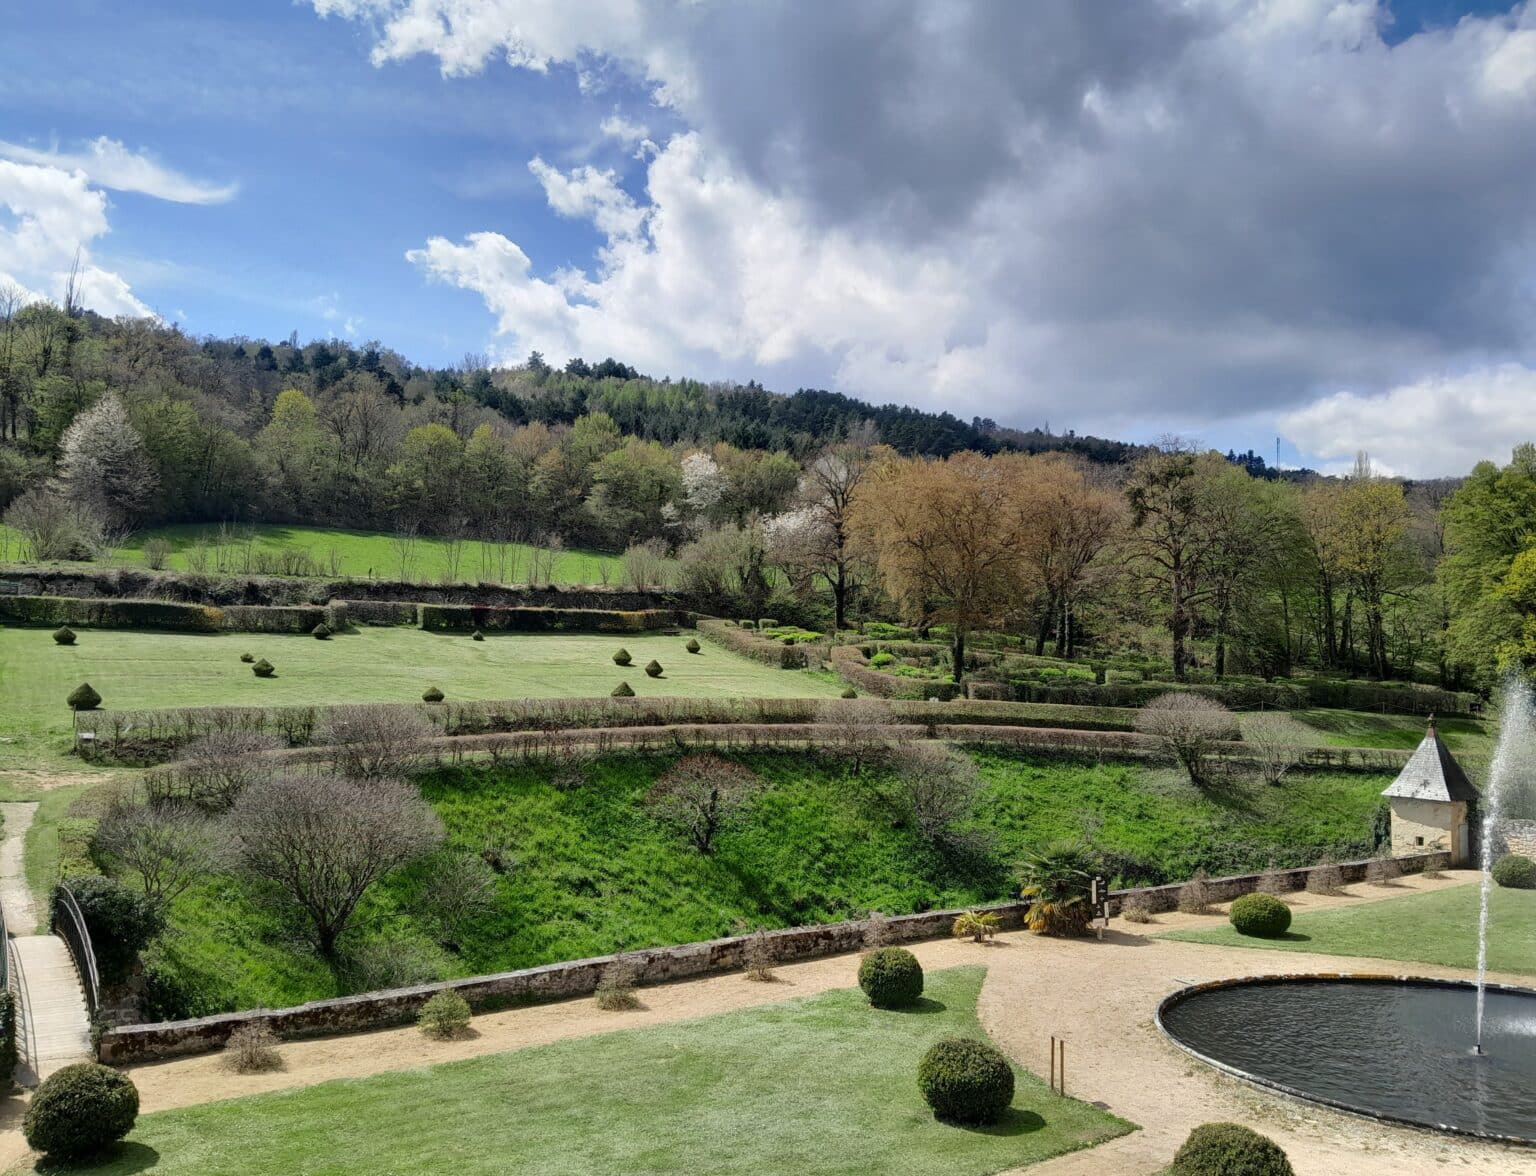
1418	841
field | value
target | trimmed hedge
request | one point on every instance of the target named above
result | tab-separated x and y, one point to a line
80	1110
1229	1149
381	612
438	618
850	664
1262	916
1515	872
115	613
763	649
891	977
966	1081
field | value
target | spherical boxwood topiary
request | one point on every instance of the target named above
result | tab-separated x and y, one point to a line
653	668
79	1110
83	697
321	632
248	658
431	694
621	657
965	1081
1229	1149
693	645
264	669
891	977
623	690
1516	871
64	635
1261	915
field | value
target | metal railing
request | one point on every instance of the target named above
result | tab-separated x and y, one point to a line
69	925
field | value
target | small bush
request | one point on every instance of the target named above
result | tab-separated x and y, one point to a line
757	957
616	988
622	658
877	931
445	1015
1136	909
653	668
693	645
1275	881
1325	879
264	669
248	658
977	926
849	692
83	697
1515	871
1195	895
477	636
891	977
965	1081
1262	916
121	921
1383	871
623	690
767	623
431	694
1229	1149
252	1049
80	1110
882	659
321	632
748	624
64	635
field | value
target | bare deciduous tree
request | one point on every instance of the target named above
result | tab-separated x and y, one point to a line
322	841
214	770
458	889
1189	726
165	848
860	730
933	788
1277	743
371	742
701	794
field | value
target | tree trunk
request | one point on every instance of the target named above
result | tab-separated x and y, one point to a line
1178	625
840	599
957	652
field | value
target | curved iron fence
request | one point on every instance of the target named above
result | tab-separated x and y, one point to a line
69	925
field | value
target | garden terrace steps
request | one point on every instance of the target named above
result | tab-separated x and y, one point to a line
54	1027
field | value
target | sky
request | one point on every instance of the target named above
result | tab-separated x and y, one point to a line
1234	220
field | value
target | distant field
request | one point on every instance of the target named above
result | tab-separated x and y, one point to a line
137	669
1435	928
357	553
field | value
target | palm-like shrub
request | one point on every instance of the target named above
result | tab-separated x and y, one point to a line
1229	1149
891	977
64	635
83	697
80	1110
445	1015
965	1081
1515	871
1262	916
978	926
1057	881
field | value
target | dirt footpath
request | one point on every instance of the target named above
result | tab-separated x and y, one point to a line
1099	996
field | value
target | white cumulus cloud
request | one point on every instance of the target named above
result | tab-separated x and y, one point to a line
106	163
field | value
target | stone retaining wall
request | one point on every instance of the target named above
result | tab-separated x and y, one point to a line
1515	836
575	978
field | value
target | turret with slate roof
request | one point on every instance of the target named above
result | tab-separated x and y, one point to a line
1432	800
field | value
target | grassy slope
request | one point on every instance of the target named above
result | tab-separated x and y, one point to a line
823	1085
1435	928
136	669
596	874
358	554
1346	728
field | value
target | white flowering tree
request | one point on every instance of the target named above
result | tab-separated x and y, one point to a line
104	465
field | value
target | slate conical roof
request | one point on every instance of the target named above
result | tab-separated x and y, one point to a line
1432	773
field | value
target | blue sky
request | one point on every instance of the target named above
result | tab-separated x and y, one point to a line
1297	217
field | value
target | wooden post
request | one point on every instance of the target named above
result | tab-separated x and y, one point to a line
1053	1061
1063	1068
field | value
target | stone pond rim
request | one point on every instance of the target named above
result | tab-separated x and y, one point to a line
1359	1104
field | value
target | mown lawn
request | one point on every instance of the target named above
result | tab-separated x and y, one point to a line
822	1085
1439	927
590	871
136	669
356	554
1347	728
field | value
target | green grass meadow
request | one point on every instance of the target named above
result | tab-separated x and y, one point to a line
1439	927
356	554
821	1086
136	669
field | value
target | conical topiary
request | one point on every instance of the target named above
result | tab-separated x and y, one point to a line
248	658
264	669
431	694
477	636
850	692
64	635
623	690
693	645
621	657
321	632
653	668
83	697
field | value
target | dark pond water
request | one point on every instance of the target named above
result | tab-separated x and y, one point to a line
1385	1048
